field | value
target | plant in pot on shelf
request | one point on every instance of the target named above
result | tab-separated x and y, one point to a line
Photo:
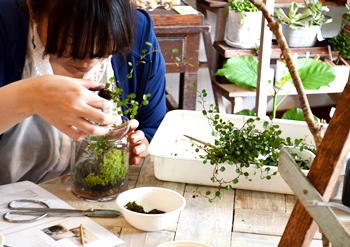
345	25
341	42
243	71
242	24
303	28
99	170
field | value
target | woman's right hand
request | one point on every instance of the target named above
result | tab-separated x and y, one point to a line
69	104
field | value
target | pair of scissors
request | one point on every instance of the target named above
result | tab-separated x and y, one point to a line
37	213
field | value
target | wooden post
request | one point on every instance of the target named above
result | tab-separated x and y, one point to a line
264	63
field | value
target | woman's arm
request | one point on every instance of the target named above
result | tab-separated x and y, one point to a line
68	104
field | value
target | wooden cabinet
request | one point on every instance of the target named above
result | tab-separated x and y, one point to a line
181	32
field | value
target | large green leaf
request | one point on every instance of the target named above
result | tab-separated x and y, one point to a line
245	112
296	114
313	73
242	71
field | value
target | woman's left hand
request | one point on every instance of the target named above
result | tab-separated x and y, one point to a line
138	143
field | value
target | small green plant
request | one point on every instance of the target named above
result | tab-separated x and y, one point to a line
346	15
256	143
242	6
310	15
341	43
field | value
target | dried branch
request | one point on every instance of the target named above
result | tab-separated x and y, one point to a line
315	128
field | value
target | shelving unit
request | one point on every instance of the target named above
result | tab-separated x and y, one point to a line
219	51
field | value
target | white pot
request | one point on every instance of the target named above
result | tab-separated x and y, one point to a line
303	37
243	29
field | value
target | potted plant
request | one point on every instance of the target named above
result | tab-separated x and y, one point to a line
250	148
341	43
242	24
303	28
243	71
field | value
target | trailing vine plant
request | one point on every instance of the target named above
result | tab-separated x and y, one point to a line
256	144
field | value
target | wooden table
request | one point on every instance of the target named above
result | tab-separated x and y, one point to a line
241	218
181	32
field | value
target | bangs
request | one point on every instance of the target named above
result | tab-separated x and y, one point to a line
89	29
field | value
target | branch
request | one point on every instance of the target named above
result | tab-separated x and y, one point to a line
315	128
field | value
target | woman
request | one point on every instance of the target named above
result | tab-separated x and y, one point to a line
53	56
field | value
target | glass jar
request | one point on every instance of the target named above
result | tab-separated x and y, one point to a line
99	169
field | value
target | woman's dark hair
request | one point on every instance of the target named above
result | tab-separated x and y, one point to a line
85	28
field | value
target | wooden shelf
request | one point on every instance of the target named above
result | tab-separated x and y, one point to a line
278	3
227	51
232	90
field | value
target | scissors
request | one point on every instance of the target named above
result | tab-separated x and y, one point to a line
37	213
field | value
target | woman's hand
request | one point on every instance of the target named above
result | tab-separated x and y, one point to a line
67	103
138	143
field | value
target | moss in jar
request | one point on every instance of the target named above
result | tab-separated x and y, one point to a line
133	206
113	168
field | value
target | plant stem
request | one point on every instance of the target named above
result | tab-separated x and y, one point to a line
197	140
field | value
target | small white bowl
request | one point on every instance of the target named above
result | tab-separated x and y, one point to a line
151	198
184	244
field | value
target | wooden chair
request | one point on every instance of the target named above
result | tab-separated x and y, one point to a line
317	187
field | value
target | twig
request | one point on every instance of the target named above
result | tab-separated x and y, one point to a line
82	235
197	140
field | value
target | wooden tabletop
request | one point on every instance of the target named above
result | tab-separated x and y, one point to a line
240	218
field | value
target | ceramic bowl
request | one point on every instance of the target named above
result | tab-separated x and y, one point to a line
150	198
184	244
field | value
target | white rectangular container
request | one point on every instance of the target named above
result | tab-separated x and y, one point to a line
175	158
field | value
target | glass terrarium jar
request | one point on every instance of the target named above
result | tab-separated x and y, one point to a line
99	170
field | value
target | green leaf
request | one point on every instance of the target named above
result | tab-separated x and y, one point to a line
242	71
296	114
246	112
314	73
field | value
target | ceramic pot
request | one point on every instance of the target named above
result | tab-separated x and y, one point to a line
99	170
303	37
243	29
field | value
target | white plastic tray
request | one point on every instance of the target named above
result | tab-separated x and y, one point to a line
176	160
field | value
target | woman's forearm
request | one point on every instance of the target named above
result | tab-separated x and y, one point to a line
15	103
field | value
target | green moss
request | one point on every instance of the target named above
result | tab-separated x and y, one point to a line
109	171
113	169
